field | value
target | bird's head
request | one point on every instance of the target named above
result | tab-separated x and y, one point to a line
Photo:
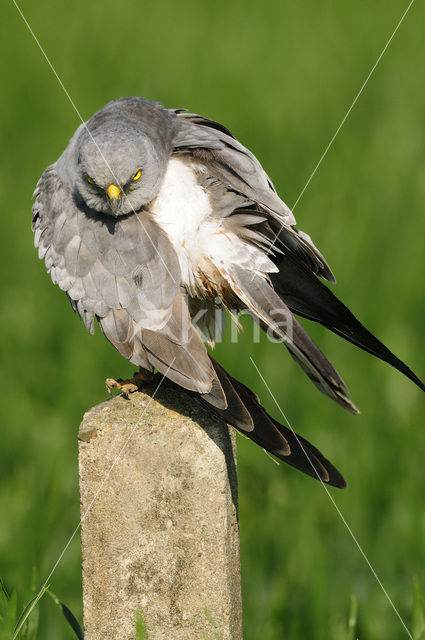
118	169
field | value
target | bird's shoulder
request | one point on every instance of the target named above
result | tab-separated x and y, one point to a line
226	161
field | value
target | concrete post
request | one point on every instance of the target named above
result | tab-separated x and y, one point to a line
159	520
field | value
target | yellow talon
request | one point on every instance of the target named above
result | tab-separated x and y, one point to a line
132	384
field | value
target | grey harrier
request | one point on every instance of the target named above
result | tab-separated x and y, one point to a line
152	214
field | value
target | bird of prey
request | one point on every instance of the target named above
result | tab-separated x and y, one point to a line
151	214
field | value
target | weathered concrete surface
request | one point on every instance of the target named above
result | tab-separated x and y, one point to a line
160	534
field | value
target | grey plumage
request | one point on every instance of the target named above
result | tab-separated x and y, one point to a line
152	213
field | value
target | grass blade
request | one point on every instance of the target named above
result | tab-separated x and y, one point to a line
4	589
69	616
141	631
27	612
74	624
352	619
8	616
418	617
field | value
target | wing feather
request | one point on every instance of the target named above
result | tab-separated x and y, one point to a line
244	412
124	272
272	313
228	161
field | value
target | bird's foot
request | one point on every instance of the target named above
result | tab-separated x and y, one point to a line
139	379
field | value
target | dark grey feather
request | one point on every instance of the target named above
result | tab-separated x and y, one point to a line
306	296
246	414
273	313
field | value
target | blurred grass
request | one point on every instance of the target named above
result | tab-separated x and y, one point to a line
281	76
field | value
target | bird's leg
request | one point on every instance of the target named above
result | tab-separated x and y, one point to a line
139	379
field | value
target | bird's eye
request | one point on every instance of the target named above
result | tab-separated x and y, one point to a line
137	175
90	180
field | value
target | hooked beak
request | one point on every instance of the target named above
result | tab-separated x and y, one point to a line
114	194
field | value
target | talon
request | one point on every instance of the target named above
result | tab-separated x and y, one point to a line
132	384
128	387
110	384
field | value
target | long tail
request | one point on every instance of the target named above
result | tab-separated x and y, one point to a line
307	296
245	412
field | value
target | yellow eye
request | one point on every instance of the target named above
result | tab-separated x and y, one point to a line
137	175
90	180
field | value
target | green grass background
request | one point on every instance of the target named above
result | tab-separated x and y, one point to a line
281	76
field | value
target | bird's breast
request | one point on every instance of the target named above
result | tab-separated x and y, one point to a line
183	210
205	247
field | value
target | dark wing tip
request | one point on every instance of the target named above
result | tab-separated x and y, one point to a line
335	478
246	414
414	378
307	458
308	297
